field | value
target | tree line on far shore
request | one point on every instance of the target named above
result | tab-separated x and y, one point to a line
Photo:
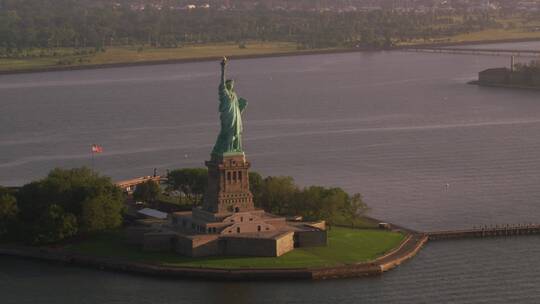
531	68
97	24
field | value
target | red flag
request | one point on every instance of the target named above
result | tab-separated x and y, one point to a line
97	148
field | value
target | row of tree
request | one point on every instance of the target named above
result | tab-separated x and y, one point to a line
275	194
76	202
64	204
27	24
532	67
281	195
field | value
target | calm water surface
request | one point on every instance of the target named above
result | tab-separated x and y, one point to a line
394	126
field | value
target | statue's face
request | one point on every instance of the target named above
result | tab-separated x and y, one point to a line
229	84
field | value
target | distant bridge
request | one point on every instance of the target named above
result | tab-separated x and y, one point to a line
478	51
130	184
486	231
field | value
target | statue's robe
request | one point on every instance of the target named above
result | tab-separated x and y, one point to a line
230	108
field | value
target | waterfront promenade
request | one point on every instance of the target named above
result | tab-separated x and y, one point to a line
475	51
486	231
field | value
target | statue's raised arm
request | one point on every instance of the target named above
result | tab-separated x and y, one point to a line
223	65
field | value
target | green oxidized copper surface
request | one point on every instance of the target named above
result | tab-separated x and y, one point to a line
230	108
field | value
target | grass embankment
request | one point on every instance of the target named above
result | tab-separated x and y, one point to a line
495	34
341	219
345	246
121	55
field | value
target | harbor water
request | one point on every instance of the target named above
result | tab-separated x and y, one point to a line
426	150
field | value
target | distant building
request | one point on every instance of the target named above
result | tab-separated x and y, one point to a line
523	76
494	76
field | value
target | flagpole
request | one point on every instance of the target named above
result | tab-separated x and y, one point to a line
95	149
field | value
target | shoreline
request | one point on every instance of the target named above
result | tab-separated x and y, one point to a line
180	61
255	56
504	86
472	42
407	249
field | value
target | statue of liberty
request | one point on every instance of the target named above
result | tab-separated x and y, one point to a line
230	108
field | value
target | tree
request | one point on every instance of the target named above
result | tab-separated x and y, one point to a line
330	204
190	181
8	211
26	24
316	202
147	192
355	208
68	202
278	194
255	186
54	225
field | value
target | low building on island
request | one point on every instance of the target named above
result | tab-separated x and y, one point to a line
518	75
494	75
227	222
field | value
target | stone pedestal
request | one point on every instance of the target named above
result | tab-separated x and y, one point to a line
228	185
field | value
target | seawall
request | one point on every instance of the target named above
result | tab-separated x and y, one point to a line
503	85
407	249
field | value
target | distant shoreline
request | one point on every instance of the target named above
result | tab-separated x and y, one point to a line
177	61
472	42
255	56
502	85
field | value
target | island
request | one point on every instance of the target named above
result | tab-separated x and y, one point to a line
225	222
518	75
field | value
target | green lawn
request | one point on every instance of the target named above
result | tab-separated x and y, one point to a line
495	34
346	246
358	223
